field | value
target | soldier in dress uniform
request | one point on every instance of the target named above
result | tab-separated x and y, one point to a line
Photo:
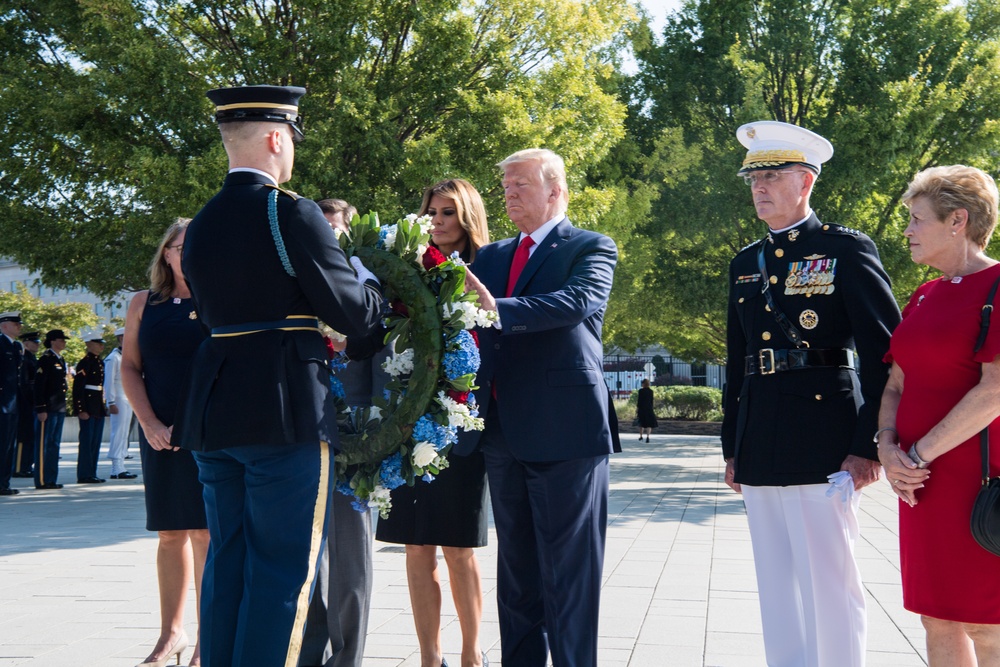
88	405
10	371
24	455
119	410
50	408
264	267
807	303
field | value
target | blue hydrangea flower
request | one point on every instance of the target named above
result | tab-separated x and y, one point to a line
337	387
360	505
428	430
344	487
463	358
338	362
389	472
428	477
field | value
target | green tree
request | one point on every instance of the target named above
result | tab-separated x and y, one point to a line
897	86
72	317
106	135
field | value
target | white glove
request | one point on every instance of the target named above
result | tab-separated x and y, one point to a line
364	275
843	483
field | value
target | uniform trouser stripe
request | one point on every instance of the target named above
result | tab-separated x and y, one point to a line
316	543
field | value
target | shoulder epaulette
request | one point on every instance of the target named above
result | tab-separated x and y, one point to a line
840	229
750	245
293	195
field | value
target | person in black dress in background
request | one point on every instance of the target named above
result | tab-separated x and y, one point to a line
644	411
162	332
449	512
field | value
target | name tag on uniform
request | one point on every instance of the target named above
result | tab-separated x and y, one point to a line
811	277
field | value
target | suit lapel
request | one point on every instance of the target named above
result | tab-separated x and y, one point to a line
557	237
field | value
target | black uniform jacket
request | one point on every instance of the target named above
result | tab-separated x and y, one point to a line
798	426
26	383
50	383
270	387
89	373
10	368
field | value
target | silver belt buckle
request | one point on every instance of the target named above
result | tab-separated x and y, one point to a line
766	361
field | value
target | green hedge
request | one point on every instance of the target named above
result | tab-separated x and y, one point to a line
683	402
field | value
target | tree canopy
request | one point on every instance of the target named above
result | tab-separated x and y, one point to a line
896	86
106	134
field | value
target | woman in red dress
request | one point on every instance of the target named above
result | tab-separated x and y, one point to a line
939	397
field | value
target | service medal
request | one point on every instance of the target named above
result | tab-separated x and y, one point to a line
808	319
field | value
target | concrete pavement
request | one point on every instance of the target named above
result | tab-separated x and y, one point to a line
78	577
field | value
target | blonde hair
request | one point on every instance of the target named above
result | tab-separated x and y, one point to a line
161	276
468	208
553	166
950	188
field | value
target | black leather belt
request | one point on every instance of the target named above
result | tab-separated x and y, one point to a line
769	360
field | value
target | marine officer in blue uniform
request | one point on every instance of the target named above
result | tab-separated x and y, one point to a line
10	371
24	455
264	267
810	315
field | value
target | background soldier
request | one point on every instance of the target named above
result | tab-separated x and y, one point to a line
24	456
119	410
88	404
797	411
50	406
263	265
10	369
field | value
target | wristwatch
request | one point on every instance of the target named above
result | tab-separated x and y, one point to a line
915	457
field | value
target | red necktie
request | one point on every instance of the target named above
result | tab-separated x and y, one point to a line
520	259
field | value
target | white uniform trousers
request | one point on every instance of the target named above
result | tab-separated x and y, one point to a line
118	446
812	601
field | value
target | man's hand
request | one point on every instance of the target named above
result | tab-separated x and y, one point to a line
731	477
112	409
364	275
864	471
84	415
473	284
42	416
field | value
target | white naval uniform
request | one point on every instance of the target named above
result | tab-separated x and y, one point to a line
114	394
812	600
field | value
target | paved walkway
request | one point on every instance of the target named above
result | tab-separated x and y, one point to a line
78	579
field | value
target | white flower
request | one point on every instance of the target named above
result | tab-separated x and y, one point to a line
379	498
375	413
399	364
458	414
389	240
421	249
424	455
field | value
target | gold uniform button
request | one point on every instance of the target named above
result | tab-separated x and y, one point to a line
826	227
774	280
766	335
767	308
741	300
779	253
819	397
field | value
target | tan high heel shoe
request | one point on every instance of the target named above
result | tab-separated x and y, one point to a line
175	652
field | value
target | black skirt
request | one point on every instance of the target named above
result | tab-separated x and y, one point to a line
449	511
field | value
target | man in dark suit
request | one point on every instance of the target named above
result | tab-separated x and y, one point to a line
799	412
338	613
549	425
10	371
24	456
50	408
264	267
88	404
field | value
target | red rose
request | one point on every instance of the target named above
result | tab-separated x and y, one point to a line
475	336
433	257
400	308
329	346
458	396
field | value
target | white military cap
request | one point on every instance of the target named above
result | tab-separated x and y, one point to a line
120	331
10	316
92	335
774	145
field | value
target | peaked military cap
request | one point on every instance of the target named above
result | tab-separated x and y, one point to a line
10	316
269	104
774	145
92	336
32	336
120	331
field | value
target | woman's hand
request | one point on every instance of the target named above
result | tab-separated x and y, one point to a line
158	436
902	473
730	477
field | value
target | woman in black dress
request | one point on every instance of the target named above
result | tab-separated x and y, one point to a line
449	512
162	332
644	411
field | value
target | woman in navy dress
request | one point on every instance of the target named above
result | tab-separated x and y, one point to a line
162	332
449	512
